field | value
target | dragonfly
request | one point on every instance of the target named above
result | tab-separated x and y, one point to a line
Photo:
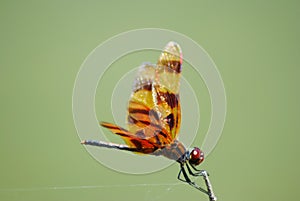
154	117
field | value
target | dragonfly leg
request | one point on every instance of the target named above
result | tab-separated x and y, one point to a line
188	180
197	169
202	173
182	170
198	173
205	175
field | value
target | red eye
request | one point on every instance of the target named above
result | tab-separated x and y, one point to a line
196	156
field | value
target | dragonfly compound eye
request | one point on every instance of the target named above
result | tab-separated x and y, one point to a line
196	156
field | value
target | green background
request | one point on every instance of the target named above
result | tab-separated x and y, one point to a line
255	45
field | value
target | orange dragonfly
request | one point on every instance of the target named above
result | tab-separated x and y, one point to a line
154	117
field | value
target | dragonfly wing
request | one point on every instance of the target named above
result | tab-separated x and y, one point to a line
154	107
141	145
142	118
141	101
166	88
153	118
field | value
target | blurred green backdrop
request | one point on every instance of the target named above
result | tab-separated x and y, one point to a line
255	45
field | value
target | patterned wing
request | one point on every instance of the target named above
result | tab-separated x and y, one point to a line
166	88
139	145
154	110
153	118
143	120
141	100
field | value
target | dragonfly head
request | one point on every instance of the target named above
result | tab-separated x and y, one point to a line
196	156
